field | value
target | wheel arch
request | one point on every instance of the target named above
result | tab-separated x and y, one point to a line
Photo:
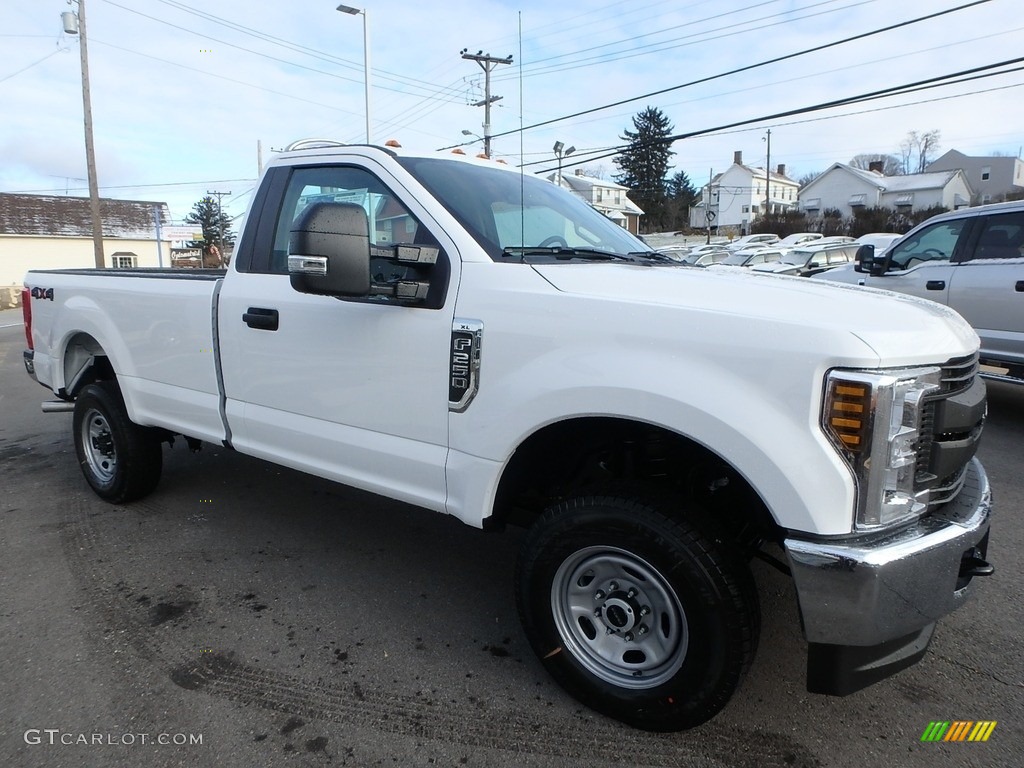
585	453
83	361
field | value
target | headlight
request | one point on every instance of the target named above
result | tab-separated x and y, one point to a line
874	419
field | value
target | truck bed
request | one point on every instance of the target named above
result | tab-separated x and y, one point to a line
156	326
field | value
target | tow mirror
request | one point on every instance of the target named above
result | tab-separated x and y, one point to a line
330	247
864	260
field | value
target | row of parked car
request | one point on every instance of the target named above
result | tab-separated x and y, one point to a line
803	254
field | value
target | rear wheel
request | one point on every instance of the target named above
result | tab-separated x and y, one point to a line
119	459
638	614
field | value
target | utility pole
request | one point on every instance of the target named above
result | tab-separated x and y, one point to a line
768	175
74	24
708	213
159	235
220	221
487	63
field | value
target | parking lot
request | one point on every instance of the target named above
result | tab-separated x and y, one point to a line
246	614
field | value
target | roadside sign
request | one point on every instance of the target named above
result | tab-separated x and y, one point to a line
180	233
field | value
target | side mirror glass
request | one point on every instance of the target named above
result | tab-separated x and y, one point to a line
330	247
864	260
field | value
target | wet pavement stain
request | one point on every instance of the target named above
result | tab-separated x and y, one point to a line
163	612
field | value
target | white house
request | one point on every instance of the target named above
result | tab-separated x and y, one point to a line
845	188
740	193
991	178
606	196
53	232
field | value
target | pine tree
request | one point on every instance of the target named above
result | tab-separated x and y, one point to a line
644	166
216	226
681	195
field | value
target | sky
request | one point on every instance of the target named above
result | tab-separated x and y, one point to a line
184	92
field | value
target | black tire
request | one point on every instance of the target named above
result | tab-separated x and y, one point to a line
575	578
120	460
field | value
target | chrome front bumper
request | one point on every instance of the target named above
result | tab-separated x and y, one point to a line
873	590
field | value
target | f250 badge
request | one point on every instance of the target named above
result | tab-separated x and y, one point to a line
42	293
464	363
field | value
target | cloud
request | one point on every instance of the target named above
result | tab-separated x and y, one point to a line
182	94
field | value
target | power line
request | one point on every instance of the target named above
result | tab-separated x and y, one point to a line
748	67
130	186
297	47
275	41
666	45
918	85
223	77
33	64
901	105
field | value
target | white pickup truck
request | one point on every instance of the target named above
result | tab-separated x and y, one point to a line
458	335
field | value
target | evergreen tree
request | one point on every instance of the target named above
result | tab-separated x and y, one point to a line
644	166
216	226
681	195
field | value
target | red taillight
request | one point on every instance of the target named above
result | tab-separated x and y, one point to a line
26	312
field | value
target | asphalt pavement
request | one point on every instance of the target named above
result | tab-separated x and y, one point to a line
246	614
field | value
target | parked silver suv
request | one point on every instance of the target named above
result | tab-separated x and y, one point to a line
971	260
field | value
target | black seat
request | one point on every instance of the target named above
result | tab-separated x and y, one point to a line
995	244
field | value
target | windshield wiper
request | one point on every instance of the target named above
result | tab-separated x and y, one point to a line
562	252
654	256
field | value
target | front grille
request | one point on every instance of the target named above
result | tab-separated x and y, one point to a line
959	374
951	425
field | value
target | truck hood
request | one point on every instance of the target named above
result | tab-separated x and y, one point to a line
901	330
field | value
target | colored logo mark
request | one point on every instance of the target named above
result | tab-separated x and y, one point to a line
958	730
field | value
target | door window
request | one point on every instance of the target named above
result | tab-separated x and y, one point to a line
390	223
934	243
1001	237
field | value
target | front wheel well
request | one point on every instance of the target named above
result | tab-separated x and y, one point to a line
594	453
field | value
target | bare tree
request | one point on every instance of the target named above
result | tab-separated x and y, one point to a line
926	148
807	178
917	150
890	163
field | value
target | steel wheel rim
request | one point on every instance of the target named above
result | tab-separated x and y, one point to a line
98	446
619	617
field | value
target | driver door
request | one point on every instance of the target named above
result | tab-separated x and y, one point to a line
921	265
355	390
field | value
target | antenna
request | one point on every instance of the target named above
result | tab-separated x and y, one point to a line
522	170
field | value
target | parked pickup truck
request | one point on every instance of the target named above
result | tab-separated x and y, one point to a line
971	260
464	337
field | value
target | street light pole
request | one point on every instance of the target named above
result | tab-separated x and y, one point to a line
74	24
366	57
560	152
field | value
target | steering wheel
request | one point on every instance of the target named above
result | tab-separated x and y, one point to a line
552	241
933	252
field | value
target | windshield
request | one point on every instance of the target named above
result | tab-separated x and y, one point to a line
737	259
796	258
510	214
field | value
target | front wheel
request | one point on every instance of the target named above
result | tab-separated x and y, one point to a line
120	460
636	613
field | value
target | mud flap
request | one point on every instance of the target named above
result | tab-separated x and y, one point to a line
839	670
